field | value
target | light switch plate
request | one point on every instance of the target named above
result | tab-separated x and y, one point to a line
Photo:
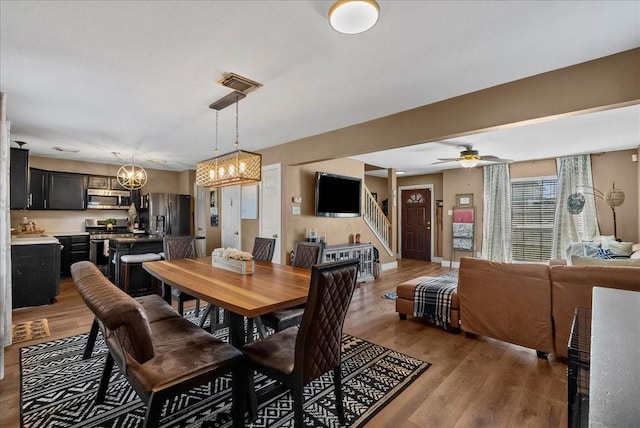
295	210
450	212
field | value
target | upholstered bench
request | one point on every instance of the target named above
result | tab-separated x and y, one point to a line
405	302
161	355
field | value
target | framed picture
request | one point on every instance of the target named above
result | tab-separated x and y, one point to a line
213	206
464	200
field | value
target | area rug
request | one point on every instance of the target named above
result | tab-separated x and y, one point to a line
29	330
58	389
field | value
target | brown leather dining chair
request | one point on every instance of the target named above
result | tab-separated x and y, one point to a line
306	254
263	249
298	355
180	247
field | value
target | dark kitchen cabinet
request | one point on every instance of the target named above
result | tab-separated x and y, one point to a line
19	173
38	189
67	191
51	190
74	249
35	274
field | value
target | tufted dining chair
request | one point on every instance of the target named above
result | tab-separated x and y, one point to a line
298	355
306	254
263	249
181	247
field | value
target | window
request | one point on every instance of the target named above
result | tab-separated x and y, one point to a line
533	205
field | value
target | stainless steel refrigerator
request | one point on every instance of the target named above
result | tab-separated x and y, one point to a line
166	214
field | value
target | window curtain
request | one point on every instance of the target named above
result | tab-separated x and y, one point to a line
5	236
496	219
574	176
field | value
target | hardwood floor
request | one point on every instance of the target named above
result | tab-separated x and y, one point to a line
473	382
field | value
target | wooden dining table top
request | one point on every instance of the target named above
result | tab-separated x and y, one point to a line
271	287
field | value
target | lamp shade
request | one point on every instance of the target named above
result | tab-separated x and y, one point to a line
575	203
232	168
353	16
614	197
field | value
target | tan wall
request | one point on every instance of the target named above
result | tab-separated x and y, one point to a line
617	167
377	185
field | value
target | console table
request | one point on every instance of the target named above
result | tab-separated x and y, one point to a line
614	391
362	252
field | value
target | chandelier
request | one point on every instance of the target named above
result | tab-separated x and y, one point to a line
132	176
237	167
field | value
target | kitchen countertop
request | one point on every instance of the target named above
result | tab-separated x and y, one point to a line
31	239
134	239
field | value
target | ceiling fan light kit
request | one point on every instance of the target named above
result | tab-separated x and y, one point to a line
353	16
470	158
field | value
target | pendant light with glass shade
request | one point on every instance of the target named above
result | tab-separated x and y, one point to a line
237	167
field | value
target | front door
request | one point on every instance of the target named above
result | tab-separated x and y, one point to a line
416	224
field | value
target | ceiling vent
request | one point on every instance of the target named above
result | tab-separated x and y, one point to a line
227	100
239	83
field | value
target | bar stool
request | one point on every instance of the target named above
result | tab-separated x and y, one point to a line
134	280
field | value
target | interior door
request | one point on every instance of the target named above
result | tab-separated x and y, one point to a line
416	224
230	217
270	218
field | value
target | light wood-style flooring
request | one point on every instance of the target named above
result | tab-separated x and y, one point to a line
473	382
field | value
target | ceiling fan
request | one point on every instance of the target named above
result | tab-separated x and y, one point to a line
470	158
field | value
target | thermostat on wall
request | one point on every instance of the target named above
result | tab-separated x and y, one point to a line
297	199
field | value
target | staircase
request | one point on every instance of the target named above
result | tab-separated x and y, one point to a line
377	221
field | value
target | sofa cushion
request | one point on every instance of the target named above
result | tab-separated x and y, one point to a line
592	261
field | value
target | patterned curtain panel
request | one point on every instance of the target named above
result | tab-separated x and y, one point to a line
574	178
496	222
5	236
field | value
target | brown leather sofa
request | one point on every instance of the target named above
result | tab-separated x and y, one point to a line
160	354
528	304
572	286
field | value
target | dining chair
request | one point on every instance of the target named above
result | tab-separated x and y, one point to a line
263	249
298	355
306	254
181	247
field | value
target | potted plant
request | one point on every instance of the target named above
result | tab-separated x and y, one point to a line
110	222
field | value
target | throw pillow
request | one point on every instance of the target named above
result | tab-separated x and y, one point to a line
635	255
623	248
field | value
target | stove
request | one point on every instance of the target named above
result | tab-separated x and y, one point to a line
99	234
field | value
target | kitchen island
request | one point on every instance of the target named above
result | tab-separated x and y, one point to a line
119	247
35	270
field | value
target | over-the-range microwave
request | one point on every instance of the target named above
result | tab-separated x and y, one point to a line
104	199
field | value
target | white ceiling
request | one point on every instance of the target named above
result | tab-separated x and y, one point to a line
136	77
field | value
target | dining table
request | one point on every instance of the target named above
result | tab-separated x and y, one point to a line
269	288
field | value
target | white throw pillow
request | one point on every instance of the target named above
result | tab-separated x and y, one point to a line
592	261
621	248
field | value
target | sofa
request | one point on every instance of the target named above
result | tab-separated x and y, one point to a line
528	304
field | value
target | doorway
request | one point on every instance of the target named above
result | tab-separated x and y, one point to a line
415	224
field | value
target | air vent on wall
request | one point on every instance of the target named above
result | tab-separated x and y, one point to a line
227	100
239	83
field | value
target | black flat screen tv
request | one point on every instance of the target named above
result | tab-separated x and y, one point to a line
337	195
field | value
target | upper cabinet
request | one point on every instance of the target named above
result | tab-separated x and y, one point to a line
19	173
51	190
67	191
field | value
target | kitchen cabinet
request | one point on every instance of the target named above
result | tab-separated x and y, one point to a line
52	190
37	189
67	191
35	274
74	249
19	176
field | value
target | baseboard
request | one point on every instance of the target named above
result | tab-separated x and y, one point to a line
447	263
391	265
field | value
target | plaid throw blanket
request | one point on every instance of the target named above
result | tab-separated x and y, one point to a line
432	299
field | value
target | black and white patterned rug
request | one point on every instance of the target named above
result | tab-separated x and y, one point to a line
58	389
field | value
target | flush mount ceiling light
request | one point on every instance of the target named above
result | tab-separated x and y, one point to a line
353	16
237	167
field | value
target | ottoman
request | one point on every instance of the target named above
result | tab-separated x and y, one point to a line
404	302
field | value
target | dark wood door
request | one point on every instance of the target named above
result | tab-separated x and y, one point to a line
416	224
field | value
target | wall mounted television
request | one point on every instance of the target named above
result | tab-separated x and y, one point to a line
338	195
